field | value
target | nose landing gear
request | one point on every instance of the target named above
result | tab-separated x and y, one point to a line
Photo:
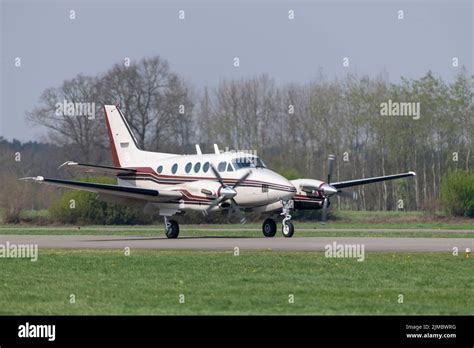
287	229
269	225
269	228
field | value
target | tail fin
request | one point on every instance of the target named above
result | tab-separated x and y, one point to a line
122	141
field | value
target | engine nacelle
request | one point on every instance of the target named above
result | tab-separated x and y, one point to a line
308	194
308	186
206	188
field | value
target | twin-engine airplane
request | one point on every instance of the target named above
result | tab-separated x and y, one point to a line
234	181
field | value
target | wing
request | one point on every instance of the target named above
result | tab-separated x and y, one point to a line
349	183
114	190
94	169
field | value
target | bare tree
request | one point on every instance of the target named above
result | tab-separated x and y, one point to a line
84	131
139	88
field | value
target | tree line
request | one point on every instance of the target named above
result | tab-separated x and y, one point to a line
292	127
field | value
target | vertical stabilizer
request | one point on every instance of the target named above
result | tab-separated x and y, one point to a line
122	141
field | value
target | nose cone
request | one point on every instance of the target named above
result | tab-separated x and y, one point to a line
228	192
329	190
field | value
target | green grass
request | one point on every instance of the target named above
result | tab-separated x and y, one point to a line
150	282
387	214
405	225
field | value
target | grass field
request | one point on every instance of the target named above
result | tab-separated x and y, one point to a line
255	282
150	282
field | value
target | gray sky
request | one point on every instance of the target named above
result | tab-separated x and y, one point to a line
201	48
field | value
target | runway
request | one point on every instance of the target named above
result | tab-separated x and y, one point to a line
243	243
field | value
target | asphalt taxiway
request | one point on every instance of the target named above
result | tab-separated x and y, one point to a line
384	244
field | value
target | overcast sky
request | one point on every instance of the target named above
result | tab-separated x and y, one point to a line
52	47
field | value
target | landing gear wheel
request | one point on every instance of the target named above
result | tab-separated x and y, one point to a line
172	229
288	229
269	228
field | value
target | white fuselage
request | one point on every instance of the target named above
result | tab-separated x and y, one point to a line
192	176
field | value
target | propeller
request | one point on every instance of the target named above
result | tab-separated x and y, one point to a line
325	210
329	190
331	160
350	195
228	193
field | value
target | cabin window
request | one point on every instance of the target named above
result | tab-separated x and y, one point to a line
197	166
174	169
229	168
205	167
188	167
221	166
159	169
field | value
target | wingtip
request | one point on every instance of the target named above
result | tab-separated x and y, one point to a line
412	173
32	178
67	163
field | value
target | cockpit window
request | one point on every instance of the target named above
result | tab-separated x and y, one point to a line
229	168
248	162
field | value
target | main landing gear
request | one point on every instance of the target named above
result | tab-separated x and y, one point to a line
269	226
171	228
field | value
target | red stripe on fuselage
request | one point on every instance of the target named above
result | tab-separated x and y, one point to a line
183	179
145	177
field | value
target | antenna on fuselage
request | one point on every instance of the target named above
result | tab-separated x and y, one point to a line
198	149
216	149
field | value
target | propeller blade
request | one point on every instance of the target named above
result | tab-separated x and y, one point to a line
238	211
242	179
218	176
227	193
234	209
325	210
331	160
213	204
350	195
